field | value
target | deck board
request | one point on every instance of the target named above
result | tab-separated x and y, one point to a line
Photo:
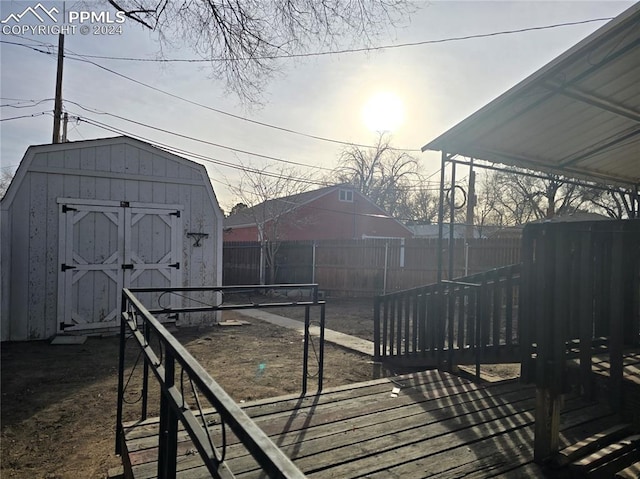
440	425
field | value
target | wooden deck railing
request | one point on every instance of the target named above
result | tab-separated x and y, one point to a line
472	319
580	297
185	386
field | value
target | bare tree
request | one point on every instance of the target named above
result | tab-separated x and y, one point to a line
512	197
488	211
243	39
382	173
423	205
267	197
5	180
617	204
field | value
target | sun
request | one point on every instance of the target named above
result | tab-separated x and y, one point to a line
383	112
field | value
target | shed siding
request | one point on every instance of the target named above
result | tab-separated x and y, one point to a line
55	189
107	170
20	260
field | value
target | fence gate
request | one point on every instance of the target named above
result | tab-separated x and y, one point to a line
107	245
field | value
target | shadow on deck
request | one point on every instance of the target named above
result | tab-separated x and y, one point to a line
438	425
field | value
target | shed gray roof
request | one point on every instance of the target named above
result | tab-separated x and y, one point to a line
578	116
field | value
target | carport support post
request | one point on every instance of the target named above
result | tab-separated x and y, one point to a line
452	217
443	164
451	302
440	296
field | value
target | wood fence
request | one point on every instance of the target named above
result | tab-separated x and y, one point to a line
366	267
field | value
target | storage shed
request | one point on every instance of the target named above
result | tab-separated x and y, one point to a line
82	220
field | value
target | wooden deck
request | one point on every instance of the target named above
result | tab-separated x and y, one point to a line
438	425
600	367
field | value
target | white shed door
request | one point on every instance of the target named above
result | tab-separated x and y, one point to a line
152	253
105	248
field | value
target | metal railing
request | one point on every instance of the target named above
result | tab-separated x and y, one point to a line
172	365
464	321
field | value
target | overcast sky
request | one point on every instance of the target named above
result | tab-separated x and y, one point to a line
434	85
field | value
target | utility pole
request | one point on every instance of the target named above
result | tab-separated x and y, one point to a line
65	122
57	106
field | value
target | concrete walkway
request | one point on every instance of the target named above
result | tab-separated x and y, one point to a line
344	340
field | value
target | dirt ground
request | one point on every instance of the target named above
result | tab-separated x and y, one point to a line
58	407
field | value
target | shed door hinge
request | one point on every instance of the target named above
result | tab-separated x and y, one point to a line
175	265
66	208
124	204
127	266
175	213
64	325
64	267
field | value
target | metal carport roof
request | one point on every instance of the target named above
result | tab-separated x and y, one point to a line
578	116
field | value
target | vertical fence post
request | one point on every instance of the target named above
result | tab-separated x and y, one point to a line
168	439
479	293
385	326
451	311
386	266
313	262
439	324
466	257
376	328
321	355
508	313
305	354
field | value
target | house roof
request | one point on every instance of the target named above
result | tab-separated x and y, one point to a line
578	116
272	208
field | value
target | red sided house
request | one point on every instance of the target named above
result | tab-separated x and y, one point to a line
333	212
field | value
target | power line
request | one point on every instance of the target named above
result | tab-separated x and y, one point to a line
21	103
26	116
351	50
199	140
77	57
238	117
